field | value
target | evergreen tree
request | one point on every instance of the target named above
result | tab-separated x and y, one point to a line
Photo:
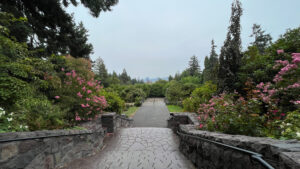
211	65
230	57
194	68
124	78
101	71
50	28
261	40
170	78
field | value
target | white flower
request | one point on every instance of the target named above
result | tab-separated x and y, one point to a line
21	126
298	134
9	119
26	127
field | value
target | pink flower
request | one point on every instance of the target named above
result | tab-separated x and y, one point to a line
68	74
83	88
280	51
87	99
79	94
57	97
89	91
62	69
82	105
201	126
77	118
282	114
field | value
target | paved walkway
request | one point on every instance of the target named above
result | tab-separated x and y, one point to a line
140	147
153	113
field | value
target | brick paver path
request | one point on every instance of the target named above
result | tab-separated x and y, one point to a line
139	148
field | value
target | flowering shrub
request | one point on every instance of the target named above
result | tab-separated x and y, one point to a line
11	122
80	96
264	111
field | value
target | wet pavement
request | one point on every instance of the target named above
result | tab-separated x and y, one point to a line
137	148
142	147
153	113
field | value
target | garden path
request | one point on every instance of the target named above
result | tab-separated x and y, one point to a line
153	113
146	146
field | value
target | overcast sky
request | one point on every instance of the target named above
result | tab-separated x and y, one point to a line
156	38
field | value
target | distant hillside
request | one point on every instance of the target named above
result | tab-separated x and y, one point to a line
152	80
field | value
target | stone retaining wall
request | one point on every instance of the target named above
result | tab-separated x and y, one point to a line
278	153
47	149
112	121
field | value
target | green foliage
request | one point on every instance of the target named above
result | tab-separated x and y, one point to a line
174	92
211	64
174	108
40	114
115	103
158	89
131	111
194	68
199	95
12	122
261	40
124	78
290	126
230	57
191	80
138	101
130	93
101	72
50	28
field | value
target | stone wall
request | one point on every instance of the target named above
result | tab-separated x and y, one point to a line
49	148
278	153
54	148
112	121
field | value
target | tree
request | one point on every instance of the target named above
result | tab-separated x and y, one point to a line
101	71
194	68
113	79
50	28
211	65
261	40
230	57
124	78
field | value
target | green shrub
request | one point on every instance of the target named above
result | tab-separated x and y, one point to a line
290	126
138	101
40	114
199	95
115	103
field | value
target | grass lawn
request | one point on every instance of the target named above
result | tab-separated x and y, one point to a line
174	108
131	111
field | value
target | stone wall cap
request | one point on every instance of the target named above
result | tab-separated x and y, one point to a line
41	133
256	144
109	114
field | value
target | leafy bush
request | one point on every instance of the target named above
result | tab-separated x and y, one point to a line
174	92
130	93
40	114
11	121
158	89
114	102
199	95
138	101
